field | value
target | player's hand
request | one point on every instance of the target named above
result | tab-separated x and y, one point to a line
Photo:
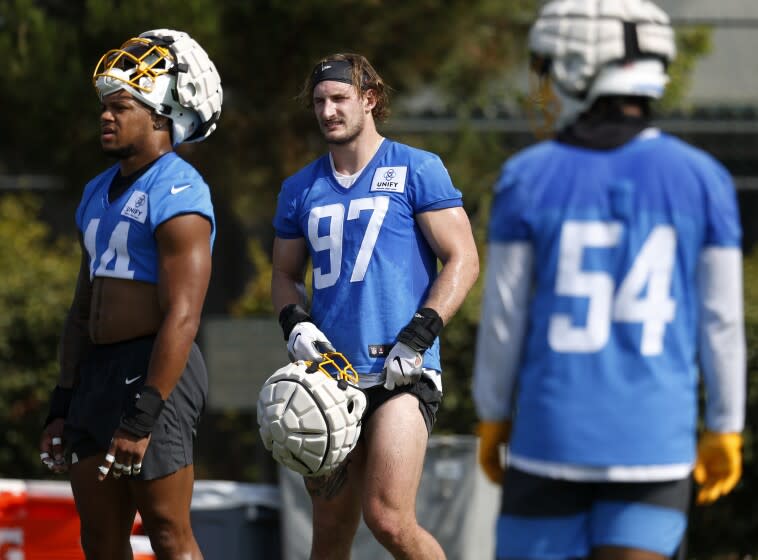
491	436
403	366
719	465
306	342
124	456
51	446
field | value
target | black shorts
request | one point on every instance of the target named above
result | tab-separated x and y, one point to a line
552	518
108	379
429	399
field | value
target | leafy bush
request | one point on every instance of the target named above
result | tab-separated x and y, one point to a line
38	281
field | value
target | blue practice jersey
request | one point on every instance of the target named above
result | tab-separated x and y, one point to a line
609	373
372	266
119	236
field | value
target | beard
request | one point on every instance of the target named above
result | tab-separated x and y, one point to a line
120	153
351	133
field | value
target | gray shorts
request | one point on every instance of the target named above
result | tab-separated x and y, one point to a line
109	377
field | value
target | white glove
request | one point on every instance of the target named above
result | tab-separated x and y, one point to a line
308	343
403	366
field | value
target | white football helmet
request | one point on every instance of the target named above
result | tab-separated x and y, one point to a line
170	72
591	48
309	419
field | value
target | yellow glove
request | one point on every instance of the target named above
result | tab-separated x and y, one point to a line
491	436
719	465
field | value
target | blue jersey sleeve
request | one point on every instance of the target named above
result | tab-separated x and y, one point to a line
98	185
433	188
286	219
509	206
186	197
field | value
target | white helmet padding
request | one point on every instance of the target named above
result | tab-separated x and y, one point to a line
592	48
308	420
170	72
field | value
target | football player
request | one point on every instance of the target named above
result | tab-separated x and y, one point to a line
613	278
374	217
133	383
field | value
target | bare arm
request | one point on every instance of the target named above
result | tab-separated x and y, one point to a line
184	273
449	233
288	272
74	346
75	340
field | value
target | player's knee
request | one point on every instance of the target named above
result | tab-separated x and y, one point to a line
389	526
169	540
104	544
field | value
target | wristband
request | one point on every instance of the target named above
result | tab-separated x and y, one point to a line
420	333
60	400
291	315
140	416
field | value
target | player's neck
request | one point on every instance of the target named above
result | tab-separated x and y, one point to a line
349	158
148	152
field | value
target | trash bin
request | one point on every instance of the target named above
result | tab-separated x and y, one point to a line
235	520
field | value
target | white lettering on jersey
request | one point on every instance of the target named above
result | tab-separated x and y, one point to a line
136	207
117	252
643	297
332	242
389	179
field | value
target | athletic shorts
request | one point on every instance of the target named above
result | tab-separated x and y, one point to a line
108	379
550	518
429	399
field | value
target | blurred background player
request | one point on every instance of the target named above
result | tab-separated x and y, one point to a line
374	217
614	273
133	383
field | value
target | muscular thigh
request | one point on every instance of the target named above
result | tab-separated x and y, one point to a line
106	509
165	501
396	439
335	499
384	470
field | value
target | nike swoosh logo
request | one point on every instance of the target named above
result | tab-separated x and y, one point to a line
399	363
131	380
177	190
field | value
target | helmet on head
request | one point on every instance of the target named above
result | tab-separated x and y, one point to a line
593	48
170	72
308	419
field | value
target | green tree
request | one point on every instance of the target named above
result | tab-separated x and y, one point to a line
38	279
460	49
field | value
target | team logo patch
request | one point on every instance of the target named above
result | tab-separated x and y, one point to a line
379	350
389	179
136	207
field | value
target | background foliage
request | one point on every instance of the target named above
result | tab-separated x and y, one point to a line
35	292
468	53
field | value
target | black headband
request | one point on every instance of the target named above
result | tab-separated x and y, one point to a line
334	70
